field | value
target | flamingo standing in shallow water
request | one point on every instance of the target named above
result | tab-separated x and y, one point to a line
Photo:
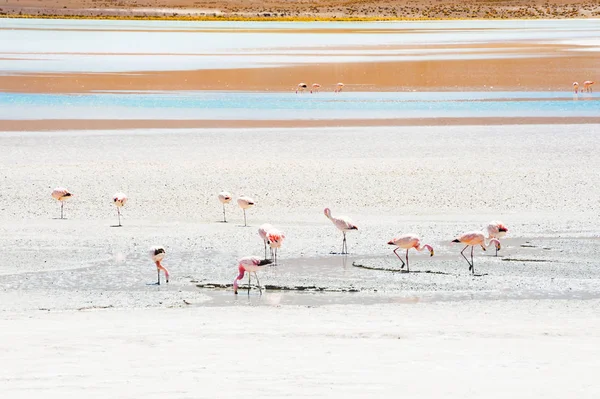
225	198
61	194
342	223
576	87
315	88
262	232
587	86
339	87
157	253
119	199
250	264
496	229
408	241
245	203
301	87
274	239
471	239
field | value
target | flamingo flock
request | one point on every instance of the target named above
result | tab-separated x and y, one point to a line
316	87
587	86
274	238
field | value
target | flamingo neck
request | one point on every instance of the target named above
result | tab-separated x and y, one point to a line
240	276
425	246
491	241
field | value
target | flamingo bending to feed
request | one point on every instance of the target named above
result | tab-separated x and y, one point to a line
274	239
471	239
119	199
245	203
301	87
408	241
262	232
315	88
496	229
157	253
250	264
339	87
225	198
587	86
342	223
61	194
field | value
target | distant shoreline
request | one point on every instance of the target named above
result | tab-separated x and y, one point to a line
237	18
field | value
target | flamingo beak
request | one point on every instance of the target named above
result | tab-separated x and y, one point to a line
431	252
498	246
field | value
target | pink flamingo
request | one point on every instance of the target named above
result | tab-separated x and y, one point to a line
339	87
315	87
61	194
262	232
587	86
408	241
342	223
119	199
576	87
496	229
275	240
245	203
471	239
225	198
301	87
250	264
157	253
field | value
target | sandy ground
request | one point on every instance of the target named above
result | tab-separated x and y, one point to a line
559	71
331	9
104	124
533	349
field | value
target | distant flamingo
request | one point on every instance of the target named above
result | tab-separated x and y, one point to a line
225	198
496	229
157	253
587	86
61	194
119	199
408	241
275	240
315	88
245	203
471	239
301	87
262	232
250	264
339	87
342	223
576	87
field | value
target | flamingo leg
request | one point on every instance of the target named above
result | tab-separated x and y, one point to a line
265	249
62	205
472	264
407	269
344	245
119	213
249	283
224	218
396	253
463	255
258	282
245	218
158	282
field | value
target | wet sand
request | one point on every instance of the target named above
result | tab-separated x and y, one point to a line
448	75
117	124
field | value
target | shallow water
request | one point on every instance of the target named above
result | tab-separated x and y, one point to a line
101	46
354	105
